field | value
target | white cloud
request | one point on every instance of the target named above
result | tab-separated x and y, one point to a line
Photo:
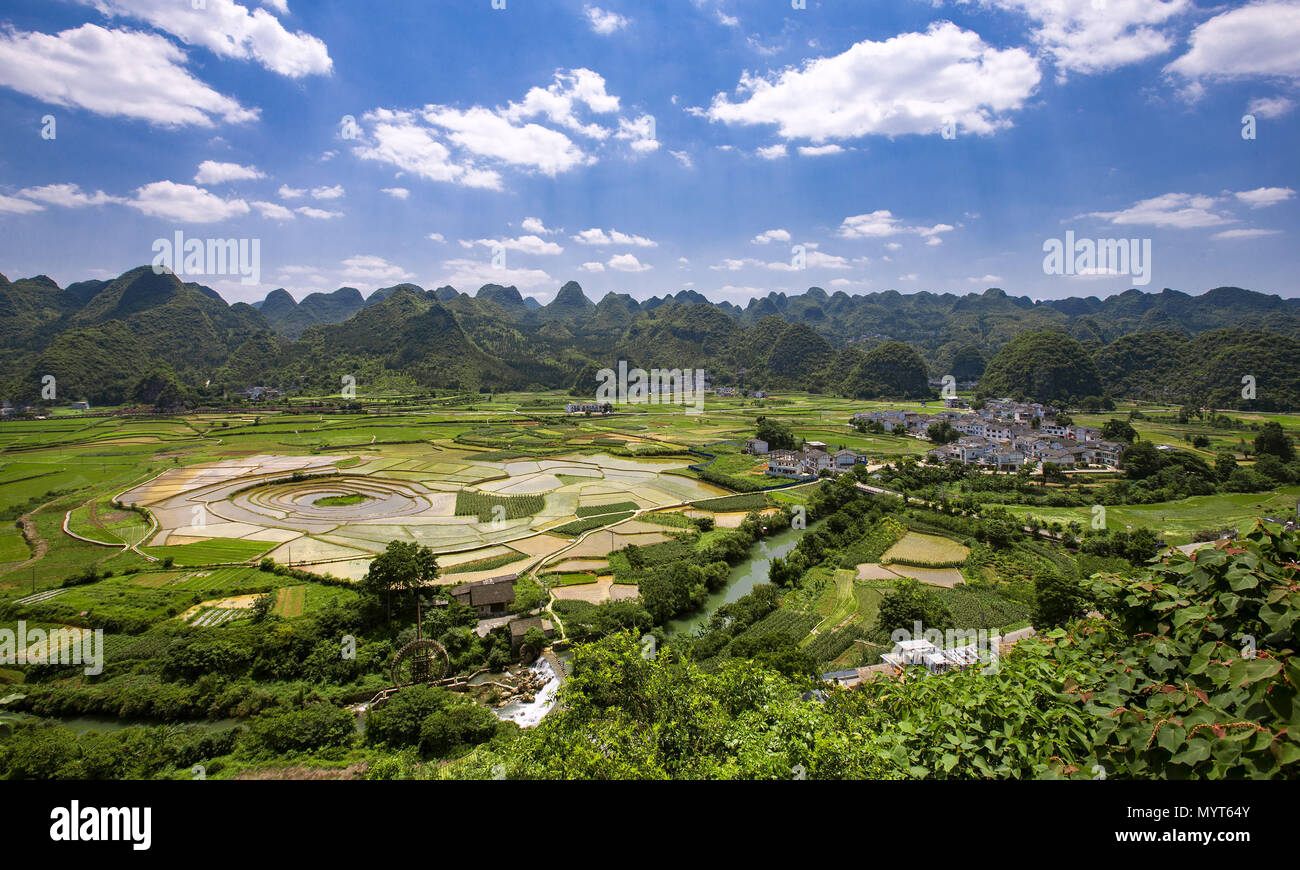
1261	39
369	269
640	133
281	6
212	172
986	279
474	273
287	192
613	237
812	259
485	133
12	205
437	237
524	244
536	227
469	146
318	213
399	139
334	192
230	30
911	83
604	22
1091	36
306	279
769	236
592	267
1264	196
881	224
571	92
115	73
1177	210
773	152
820	150
627	263
1270	107
273	211
684	158
185	203
1244	234
732	264
67	195
396	192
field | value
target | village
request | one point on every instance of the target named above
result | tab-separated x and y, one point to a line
1003	435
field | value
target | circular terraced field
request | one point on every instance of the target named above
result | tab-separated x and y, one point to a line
296	502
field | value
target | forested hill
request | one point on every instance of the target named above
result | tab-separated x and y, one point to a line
100	339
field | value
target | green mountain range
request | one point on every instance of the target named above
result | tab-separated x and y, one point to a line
100	338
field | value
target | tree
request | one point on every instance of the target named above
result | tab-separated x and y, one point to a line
1053	473
1272	468
910	603
942	432
778	435
1273	440
1058	599
401	569
1141	460
262	606
1142	545
1118	430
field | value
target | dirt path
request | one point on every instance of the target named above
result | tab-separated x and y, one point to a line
39	546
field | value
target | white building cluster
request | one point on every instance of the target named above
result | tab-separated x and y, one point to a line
807	463
1005	435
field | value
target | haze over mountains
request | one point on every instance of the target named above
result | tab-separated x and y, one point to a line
99	338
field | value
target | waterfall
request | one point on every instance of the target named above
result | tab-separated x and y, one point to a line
529	714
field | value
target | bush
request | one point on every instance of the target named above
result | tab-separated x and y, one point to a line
315	727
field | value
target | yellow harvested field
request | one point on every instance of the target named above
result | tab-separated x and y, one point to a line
920	548
947	577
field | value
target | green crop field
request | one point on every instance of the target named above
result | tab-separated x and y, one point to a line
213	552
599	509
1179	520
483	505
12	546
569	530
341	500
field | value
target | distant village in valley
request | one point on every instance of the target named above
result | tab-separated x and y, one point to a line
1005	435
1001	435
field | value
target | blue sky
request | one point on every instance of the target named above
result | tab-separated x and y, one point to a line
733	147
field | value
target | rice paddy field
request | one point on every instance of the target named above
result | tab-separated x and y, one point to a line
500	484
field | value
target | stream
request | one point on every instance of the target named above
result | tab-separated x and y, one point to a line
742	579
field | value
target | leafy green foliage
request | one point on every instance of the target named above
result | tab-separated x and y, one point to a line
1206	687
